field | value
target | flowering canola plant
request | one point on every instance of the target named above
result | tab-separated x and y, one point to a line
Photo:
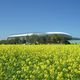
39	62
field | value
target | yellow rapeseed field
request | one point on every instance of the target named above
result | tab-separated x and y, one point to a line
39	62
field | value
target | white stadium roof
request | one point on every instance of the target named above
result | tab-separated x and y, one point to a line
29	34
18	35
57	33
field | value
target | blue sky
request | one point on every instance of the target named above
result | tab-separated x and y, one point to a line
22	16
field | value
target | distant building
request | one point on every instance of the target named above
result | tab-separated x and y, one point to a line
23	36
62	34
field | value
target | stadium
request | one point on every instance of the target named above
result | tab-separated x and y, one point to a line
60	34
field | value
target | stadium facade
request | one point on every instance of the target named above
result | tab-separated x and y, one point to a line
62	34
